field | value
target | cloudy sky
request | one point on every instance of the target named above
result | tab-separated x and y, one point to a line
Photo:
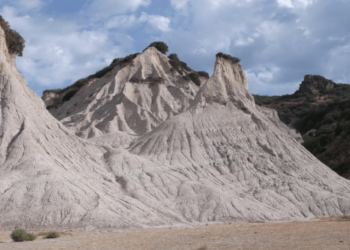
278	41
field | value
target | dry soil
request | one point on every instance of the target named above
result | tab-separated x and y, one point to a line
327	233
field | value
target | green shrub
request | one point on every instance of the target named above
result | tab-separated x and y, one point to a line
311	98
175	63
342	168
184	65
14	41
52	235
186	78
30	237
228	57
203	73
174	57
20	235
195	78
127	59
160	46
69	95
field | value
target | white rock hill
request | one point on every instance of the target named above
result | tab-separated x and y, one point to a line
222	159
133	98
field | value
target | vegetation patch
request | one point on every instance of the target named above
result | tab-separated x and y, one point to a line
186	78
175	63
21	235
160	46
184	66
14	41
203	74
195	78
52	235
321	116
228	57
69	95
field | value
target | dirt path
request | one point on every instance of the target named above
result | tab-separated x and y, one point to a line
292	235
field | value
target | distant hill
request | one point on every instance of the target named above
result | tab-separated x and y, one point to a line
320	111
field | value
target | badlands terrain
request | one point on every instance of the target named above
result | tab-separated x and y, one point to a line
144	146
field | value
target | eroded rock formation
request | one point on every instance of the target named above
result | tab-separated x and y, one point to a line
215	158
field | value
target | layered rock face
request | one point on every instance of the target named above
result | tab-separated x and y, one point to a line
216	158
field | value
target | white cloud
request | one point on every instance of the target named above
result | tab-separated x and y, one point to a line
265	34
159	22
244	41
58	52
260	82
105	8
126	21
295	3
122	21
179	4
25	5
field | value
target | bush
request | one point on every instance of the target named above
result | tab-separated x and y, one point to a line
30	237
184	65
228	57
20	235
69	95
102	72
175	63
127	59
195	78
174	57
14	41
186	78
161	46
203	73
52	235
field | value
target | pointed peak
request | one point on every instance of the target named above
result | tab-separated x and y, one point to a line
227	82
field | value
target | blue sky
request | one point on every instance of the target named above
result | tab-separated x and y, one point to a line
278	41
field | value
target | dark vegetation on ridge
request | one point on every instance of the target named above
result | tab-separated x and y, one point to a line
228	57
320	111
181	67
161	46
14	41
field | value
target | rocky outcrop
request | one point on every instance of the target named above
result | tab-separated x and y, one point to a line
313	84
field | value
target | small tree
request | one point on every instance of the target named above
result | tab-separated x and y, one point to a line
203	73
161	46
195	78
14	41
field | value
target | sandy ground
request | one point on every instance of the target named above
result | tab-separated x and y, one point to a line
324	234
